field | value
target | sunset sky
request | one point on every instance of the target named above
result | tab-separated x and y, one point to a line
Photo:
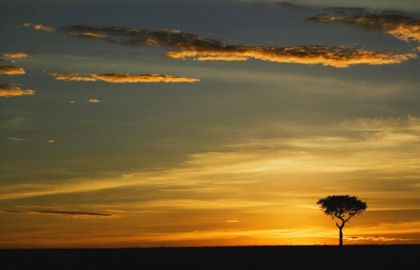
198	123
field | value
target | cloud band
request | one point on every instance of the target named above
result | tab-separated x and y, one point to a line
122	78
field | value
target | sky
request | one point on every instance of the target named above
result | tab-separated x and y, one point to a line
200	123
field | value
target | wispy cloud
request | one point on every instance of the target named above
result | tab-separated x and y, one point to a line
361	134
191	46
16	139
11	70
15	56
39	27
77	77
375	239
13	90
255	189
372	151
122	78
402	27
402	124
17	122
233	221
91	35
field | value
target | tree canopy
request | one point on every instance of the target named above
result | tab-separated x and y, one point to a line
342	206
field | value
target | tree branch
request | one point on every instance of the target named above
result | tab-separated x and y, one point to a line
343	221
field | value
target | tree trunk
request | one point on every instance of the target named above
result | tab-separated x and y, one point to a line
341	236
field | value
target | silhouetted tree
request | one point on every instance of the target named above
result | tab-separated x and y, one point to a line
342	207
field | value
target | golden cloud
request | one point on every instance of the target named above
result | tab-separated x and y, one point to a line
94	101
338	57
77	77
375	238
12	90
145	78
11	70
191	46
399	26
16	55
123	78
91	35
39	27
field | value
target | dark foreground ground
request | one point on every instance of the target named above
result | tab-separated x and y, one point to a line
262	258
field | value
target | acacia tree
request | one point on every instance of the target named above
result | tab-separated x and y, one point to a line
342	207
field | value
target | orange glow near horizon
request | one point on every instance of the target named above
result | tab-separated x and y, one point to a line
240	196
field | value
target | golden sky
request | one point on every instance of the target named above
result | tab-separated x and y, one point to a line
150	129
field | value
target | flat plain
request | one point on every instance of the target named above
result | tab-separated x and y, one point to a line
259	257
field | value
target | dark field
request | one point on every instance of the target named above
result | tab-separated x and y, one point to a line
311	257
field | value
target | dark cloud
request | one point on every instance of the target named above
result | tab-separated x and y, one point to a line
72	213
381	4
60	212
196	47
283	4
291	5
136	36
393	23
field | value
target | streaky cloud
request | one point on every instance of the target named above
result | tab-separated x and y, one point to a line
91	35
374	144
122	78
39	27
282	4
196	47
72	213
376	238
77	77
398	25
16	139
15	56
60	212
142	78
13	90
11	70
290	5
402	124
